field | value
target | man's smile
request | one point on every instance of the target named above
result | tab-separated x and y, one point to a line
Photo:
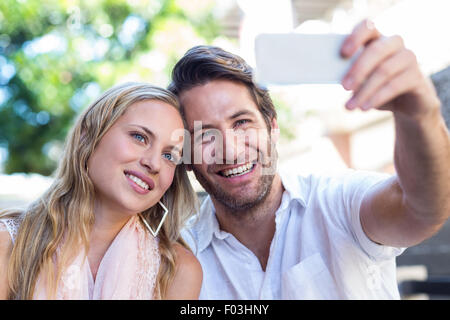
237	170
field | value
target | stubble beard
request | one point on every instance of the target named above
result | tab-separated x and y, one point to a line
245	202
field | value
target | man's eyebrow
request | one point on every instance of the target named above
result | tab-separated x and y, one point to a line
233	116
206	126
240	113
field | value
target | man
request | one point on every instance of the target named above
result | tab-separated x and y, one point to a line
269	235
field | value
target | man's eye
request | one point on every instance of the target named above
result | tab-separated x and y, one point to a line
241	122
207	136
139	137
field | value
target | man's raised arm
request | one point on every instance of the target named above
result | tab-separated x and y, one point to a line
412	206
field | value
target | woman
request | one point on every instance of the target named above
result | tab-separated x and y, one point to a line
100	231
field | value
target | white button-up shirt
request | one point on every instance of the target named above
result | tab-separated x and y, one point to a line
319	249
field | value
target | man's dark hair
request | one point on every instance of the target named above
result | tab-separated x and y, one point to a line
202	64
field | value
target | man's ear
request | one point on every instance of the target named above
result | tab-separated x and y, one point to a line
275	130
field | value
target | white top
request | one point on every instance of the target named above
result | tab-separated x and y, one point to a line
319	250
11	225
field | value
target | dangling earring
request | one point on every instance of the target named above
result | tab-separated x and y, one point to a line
155	233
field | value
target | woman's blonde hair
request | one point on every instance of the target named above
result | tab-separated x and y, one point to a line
65	210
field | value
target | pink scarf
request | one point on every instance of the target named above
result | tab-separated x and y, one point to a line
128	270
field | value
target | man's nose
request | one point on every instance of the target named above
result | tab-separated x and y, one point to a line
232	148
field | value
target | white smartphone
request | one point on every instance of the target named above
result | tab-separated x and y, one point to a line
294	58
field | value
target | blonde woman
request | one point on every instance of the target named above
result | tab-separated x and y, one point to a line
101	230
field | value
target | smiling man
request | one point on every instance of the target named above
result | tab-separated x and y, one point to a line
229	141
262	234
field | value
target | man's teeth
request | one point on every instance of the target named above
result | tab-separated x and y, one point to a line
238	171
138	181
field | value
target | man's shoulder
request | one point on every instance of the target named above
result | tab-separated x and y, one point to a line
301	181
302	185
199	227
191	238
330	190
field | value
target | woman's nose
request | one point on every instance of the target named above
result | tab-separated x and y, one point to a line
151	161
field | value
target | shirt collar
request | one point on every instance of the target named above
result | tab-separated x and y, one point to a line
296	186
206	224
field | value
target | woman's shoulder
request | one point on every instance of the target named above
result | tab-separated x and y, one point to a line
5	239
6	245
188	276
186	260
8	231
10	225
6	242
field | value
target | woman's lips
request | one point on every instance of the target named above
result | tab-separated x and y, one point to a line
137	187
139	182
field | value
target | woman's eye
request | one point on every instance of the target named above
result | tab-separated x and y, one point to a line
139	137
170	157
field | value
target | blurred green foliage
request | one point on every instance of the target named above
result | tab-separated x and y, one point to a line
56	56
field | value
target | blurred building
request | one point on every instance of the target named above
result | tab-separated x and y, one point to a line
441	81
18	190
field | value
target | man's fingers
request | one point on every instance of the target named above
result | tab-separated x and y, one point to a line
376	52
363	33
392	89
391	67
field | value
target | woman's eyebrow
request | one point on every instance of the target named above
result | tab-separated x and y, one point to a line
147	130
175	148
150	133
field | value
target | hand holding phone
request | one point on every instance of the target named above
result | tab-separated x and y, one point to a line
294	58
